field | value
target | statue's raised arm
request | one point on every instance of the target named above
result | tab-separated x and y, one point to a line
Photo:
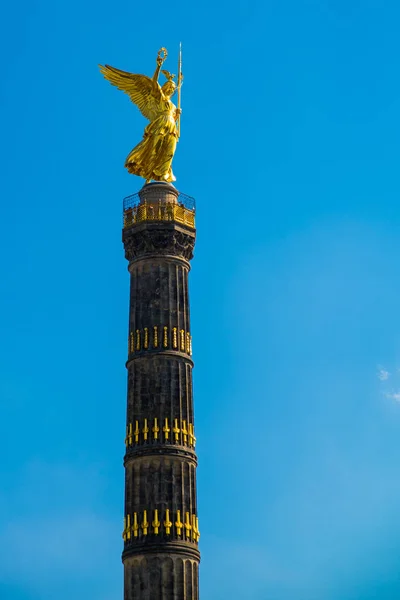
152	157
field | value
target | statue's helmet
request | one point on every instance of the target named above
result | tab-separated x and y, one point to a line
169	87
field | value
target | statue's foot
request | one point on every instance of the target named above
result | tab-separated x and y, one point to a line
169	177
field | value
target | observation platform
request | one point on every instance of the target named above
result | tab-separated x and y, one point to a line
159	202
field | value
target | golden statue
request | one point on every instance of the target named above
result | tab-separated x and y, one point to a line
152	157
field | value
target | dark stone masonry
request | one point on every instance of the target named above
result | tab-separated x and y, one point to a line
161	527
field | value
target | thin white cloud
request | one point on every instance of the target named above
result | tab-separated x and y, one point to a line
393	396
383	374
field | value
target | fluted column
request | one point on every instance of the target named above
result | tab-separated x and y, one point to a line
161	530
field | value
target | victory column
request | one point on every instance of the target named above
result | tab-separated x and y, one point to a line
161	528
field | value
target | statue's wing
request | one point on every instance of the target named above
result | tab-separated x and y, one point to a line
140	89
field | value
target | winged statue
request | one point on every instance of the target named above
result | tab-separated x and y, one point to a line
152	157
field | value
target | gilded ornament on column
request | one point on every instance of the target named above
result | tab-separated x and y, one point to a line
190	428
155	429
136	432
128	527
145	523
135	526
166	429
129	435
182	340
156	523
184	432
178	523
145	430
188	342
176	430
188	525
167	522
194	529
137	339
197	530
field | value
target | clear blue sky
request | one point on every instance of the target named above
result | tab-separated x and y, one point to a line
291	146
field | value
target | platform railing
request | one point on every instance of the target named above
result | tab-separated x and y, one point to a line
136	211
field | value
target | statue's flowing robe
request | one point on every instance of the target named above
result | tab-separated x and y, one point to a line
152	157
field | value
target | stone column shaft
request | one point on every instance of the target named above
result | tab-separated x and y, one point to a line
161	530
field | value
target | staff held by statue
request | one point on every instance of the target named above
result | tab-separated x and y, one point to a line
180	80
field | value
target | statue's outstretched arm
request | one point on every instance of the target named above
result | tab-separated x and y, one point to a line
157	72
